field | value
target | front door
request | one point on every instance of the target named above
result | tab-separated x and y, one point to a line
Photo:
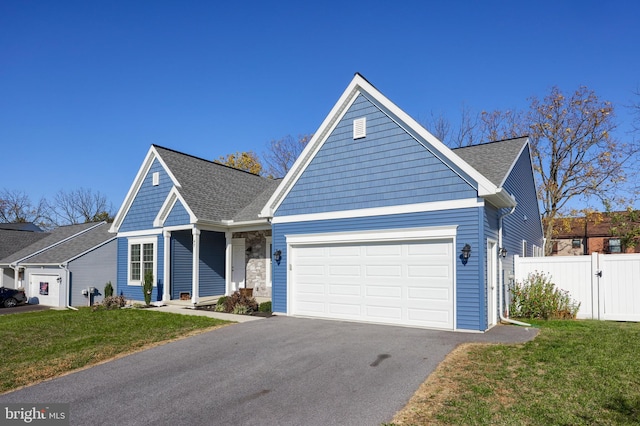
238	264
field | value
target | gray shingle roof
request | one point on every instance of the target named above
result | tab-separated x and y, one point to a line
216	192
12	241
21	226
493	160
74	247
51	238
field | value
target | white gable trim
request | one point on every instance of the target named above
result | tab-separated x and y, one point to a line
360	84
384	211
152	155
167	207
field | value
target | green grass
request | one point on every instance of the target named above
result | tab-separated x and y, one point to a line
573	373
40	345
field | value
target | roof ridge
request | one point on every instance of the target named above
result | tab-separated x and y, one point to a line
204	159
491	142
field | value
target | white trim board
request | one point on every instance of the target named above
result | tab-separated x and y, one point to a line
384	211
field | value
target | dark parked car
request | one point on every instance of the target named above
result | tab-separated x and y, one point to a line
10	297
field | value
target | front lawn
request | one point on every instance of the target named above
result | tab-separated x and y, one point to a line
45	344
573	373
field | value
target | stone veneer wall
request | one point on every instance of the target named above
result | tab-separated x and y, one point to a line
255	261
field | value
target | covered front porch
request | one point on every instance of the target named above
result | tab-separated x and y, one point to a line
202	264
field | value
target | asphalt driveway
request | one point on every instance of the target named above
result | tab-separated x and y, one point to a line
280	371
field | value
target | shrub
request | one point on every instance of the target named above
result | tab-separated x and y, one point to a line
238	299
220	305
240	310
108	290
147	287
265	307
538	297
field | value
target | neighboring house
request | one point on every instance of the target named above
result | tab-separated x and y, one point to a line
194	224
59	269
372	221
595	233
16	236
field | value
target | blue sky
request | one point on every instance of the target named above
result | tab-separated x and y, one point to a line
86	87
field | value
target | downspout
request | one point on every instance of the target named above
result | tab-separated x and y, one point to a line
64	267
501	283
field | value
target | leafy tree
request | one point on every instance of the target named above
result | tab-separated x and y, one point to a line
247	161
573	150
626	226
282	153
80	205
16	206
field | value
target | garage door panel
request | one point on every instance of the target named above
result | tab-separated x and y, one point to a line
408	283
345	270
352	310
428	271
344	290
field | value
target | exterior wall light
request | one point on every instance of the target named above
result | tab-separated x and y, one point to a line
466	252
502	252
277	256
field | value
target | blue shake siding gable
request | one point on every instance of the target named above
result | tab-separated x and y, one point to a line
515	228
178	216
148	200
469	287
388	167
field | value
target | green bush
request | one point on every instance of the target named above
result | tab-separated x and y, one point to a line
220	305
147	287
108	290
538	297
265	307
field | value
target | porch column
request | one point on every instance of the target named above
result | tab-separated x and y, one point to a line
196	266
166	290
227	261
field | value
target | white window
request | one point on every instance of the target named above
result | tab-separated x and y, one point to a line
524	248
142	259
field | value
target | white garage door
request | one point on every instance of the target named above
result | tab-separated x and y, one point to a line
406	283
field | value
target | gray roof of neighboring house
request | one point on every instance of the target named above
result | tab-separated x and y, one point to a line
52	238
493	160
12	241
21	226
75	246
216	192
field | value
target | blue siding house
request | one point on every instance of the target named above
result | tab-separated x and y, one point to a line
194	225
379	221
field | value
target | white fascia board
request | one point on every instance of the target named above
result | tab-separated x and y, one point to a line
141	233
152	155
384	211
382	235
357	85
167	206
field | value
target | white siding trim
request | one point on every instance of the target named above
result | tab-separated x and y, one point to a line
167	207
395	234
384	211
143	233
142	241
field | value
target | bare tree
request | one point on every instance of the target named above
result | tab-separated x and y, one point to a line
80	206
498	125
16	206
282	153
574	151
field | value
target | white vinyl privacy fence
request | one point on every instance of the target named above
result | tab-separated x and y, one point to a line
606	285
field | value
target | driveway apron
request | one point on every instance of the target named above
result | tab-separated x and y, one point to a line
281	371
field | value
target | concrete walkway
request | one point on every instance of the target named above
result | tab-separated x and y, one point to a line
205	313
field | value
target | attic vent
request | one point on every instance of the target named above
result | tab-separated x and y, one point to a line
360	127
156	178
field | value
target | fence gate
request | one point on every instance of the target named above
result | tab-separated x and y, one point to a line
606	285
